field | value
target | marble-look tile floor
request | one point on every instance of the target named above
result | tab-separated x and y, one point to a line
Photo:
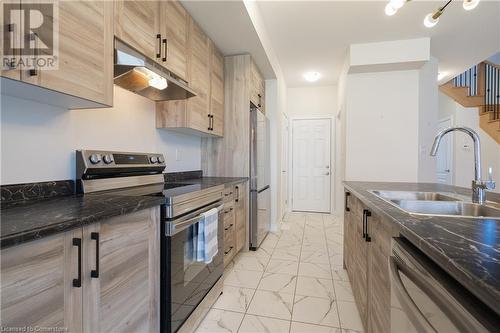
294	283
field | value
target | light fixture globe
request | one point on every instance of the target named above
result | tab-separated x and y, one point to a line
390	10
431	20
470	4
312	76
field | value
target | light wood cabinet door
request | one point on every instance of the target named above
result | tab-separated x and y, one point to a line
137	24
379	286
174	31
37	284
256	86
217	90
241	215
199	78
85	61
123	296
359	266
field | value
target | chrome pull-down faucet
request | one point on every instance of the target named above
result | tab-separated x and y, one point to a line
479	186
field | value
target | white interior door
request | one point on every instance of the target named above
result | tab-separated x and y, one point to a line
444	155
311	165
284	167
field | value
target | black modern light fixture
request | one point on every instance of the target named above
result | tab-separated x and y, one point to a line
430	19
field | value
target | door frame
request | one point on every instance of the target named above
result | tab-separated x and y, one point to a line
285	162
333	171
451	149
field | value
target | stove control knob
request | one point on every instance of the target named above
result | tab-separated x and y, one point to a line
161	160
95	158
153	159
108	159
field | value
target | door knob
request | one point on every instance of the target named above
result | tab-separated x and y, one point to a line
327	174
447	170
328	167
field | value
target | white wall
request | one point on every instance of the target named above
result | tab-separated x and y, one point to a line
382	126
463	153
314	102
428	104
39	141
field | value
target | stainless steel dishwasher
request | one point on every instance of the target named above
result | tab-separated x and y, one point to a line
424	298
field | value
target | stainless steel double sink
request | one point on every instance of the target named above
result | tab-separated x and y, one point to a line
438	204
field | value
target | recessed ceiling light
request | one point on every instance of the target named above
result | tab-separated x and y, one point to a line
312	76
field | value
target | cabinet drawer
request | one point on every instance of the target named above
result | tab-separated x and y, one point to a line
229	236
228	194
229	217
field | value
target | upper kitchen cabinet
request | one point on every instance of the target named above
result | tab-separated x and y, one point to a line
257	87
173	29
217	90
83	55
157	29
202	114
137	24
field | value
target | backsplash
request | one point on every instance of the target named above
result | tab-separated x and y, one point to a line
42	190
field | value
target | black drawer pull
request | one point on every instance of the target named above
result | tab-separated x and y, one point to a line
347	195
366	213
166	49
158	54
228	227
78	281
95	272
237	189
230	249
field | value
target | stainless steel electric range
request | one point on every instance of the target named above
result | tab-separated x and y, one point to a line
188	287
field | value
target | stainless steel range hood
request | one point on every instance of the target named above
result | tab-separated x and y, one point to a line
135	72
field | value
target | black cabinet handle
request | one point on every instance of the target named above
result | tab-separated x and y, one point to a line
237	188
209	122
95	272
34	37
78	281
165	44
366	213
228	227
158	54
230	249
347	194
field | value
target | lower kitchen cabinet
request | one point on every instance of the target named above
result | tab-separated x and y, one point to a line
122	276
241	215
38	283
100	278
367	243
235	219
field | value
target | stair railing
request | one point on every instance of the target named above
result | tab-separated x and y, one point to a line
492	89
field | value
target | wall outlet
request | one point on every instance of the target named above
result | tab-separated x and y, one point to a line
178	155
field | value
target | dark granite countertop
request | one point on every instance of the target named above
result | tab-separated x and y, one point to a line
468	249
22	221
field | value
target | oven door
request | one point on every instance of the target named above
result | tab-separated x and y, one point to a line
185	281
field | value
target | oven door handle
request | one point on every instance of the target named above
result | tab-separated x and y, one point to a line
174	228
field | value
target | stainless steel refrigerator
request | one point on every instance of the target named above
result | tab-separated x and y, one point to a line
260	198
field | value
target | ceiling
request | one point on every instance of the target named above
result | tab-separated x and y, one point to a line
315	35
228	24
